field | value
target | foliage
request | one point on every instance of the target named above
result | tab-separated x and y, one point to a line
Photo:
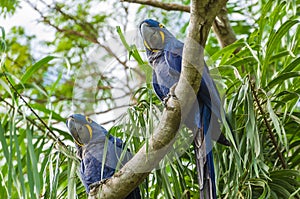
263	106
260	84
8	7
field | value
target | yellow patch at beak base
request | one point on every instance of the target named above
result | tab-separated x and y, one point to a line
147	46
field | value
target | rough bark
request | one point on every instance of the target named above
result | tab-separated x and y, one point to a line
221	25
159	4
138	168
203	13
223	29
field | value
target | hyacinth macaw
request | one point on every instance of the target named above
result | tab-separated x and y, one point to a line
164	53
93	143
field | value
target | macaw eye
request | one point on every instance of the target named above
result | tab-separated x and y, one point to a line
88	119
161	26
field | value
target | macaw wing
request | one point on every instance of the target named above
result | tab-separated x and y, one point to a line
157	87
173	61
209	94
90	171
116	141
173	55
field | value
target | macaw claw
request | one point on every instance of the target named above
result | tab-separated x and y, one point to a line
171	94
97	184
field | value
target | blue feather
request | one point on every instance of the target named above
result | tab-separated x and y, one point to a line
164	53
90	139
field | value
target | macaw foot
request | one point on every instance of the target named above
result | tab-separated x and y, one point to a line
96	185
171	94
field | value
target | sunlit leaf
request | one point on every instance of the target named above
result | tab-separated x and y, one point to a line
32	69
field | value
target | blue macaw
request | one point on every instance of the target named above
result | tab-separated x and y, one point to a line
164	53
90	139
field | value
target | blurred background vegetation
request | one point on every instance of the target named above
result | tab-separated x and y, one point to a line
90	61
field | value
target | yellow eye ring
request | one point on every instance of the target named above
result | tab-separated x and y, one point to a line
161	26
88	119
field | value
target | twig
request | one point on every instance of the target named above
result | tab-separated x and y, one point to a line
221	25
269	128
162	5
89	37
147	158
27	118
108	110
38	117
60	98
223	29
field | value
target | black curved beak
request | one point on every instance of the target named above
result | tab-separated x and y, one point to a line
71	124
141	27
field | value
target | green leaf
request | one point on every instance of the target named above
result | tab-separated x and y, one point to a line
32	69
279	190
282	77
241	61
275	39
131	49
18	152
291	66
276	14
31	182
263	19
227	51
3	46
72	167
2	32
6	87
3	188
55	177
285	172
34	163
4	145
42	108
279	55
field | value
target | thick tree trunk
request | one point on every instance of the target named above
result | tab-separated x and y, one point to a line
203	13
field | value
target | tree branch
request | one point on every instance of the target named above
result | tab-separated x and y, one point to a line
89	33
137	169
221	25
32	121
53	135
269	128
223	29
162	5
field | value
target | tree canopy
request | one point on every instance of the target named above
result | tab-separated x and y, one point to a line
93	63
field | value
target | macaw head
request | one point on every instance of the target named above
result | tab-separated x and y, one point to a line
155	36
84	130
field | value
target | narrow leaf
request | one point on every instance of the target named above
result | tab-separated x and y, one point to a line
32	69
282	77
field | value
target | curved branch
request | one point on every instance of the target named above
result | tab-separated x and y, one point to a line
137	169
32	121
221	25
223	29
53	135
162	5
85	34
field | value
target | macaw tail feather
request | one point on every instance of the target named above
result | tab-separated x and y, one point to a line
205	168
